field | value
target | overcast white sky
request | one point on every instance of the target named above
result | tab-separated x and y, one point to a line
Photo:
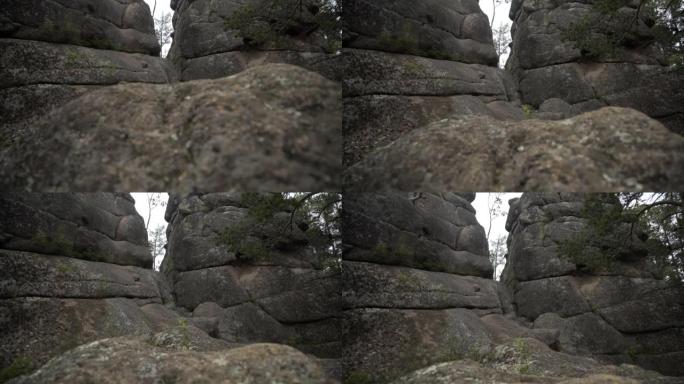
498	224
500	17
163	6
157	217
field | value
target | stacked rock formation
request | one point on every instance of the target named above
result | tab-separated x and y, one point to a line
416	279
73	269
407	64
591	152
622	315
54	51
243	291
559	79
206	44
272	127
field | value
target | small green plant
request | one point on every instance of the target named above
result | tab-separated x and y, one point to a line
524	369
19	366
520	347
528	111
405	42
274	23
72	58
57	244
293	340
632	353
413	68
407	279
523	364
358	377
185	334
380	249
65	268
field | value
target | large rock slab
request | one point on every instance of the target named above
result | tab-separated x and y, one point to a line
274	127
206	45
394	229
53	51
27	62
373	285
367	125
567	301
229	63
591	152
415	279
24	274
284	293
619	314
368	72
107	24
133	360
103	228
277	290
547	64
383	344
457	31
249	322
529	361
41	328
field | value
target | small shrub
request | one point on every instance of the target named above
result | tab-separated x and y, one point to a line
405	42
528	111
273	23
185	334
19	366
358	377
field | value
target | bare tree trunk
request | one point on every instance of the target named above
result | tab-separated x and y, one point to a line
489	208
149	211
491	25
154	10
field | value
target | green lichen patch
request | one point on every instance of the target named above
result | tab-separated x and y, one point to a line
19	366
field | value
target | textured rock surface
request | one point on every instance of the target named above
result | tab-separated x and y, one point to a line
54	51
73	269
135	360
439	29
107	24
529	361
547	66
205	46
416	276
626	316
285	295
273	127
407	64
609	149
96	227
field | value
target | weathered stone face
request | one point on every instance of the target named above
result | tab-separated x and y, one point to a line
407	64
99	227
525	360
622	316
206	44
74	268
547	65
285	294
274	127
415	278
592	152
125	26
54	51
453	30
134	360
